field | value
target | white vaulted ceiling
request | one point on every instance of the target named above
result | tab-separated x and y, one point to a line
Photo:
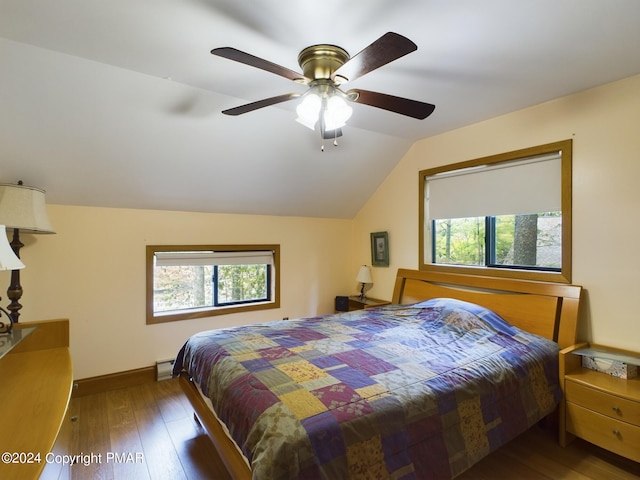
117	103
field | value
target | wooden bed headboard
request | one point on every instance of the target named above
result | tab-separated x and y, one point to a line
546	309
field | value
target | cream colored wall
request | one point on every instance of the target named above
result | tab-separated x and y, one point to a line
604	123
93	272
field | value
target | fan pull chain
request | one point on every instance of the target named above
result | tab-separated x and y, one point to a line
335	140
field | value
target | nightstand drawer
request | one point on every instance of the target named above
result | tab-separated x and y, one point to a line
609	405
614	435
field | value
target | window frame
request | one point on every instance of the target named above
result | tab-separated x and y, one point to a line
562	276
274	302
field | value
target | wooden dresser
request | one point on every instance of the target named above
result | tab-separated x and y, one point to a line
599	408
36	379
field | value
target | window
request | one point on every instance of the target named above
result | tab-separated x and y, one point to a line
186	282
529	241
506	215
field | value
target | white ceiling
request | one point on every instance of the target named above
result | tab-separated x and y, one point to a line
117	103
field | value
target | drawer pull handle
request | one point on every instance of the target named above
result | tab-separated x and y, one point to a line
616	432
616	409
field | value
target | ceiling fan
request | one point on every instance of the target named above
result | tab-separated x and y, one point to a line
325	68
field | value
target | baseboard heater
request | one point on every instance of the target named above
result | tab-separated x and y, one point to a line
164	369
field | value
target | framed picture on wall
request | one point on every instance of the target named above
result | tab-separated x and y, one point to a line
380	249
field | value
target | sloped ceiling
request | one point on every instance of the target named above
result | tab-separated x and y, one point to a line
117	103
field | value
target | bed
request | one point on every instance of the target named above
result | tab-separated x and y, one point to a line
454	368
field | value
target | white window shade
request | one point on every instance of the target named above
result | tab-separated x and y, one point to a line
530	185
188	259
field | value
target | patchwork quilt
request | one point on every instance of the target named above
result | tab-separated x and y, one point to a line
419	391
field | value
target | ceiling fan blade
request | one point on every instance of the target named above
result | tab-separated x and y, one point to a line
257	62
403	106
387	48
250	107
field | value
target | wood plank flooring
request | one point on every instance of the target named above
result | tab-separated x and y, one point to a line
148	432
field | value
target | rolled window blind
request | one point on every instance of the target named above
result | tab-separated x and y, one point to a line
172	259
530	185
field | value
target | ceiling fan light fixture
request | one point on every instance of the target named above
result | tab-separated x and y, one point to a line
336	113
308	110
325	104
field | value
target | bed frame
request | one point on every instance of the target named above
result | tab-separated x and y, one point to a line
547	309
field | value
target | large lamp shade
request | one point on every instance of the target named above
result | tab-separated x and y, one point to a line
24	208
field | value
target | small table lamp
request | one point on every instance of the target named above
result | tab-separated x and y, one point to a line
364	277
22	209
8	261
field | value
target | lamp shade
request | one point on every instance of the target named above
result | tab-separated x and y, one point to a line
23	207
8	259
308	110
336	113
364	275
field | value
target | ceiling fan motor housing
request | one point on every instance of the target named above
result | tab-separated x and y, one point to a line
319	62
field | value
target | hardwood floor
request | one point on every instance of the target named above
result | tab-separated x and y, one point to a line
154	422
148	432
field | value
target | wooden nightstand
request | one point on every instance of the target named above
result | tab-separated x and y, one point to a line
599	408
355	303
